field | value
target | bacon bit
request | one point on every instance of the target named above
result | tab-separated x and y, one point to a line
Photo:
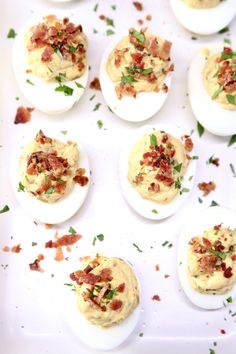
206	243
28	71
215	161
222	331
217	227
206	187
165	88
125	89
102	293
59	256
154	187
121	288
80	178
95	84
228	272
149	17
42	139
88	269
102	17
116	304
166	276
138	179
188	144
140	22
6	249
207	262
36	264
156	297
233	257
106	274
23	115
16	249
138	5
47	54
48	226
157	267
66	240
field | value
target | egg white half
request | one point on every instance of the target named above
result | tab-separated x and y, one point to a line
195	226
138	109
41	94
90	334
209	113
204	21
64	208
144	206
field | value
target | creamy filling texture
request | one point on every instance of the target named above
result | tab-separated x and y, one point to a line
202	4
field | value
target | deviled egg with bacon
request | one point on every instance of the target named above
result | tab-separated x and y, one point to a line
157	167
106	303
207	258
50	63
212	88
50	178
135	75
204	16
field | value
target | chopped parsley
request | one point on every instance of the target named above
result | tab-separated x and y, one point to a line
219	254
217	92
4	209
224	30
11	33
226	56
72	230
68	91
68	284
153	140
100	124
50	191
30	82
213	203
92	97
137	248
227	40
99	237
127	79
194	38
211	351
74	49
141	334
64	132
154	211
229	299
200	129
134	69
138	35
232	140
110	22
95	7
34	244
79	85
97	106
177	184
109	32
232	169
21	187
94	30
178	167
231	99
113	7
184	190
110	294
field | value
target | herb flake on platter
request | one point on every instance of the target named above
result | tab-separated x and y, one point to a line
95	7
232	140
72	231
153	140
11	33
154	211
100	124
30	82
137	247
200	129
79	85
224	30
21	187
214	203
64	132
99	237
109	32
232	169
34	244
96	107
4	209
68	91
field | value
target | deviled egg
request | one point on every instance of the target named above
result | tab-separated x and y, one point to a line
50	63
50	178
105	305
207	258
212	88
135	75
204	16
157	167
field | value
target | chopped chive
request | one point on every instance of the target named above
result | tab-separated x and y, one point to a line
30	82
34	244
200	129
153	140
4	209
95	7
79	85
50	191
11	33
137	248
229	299
64	132
21	187
72	230
92	97
224	30
96	107
232	169
68	91
154	211
100	124
232	140
217	92
178	167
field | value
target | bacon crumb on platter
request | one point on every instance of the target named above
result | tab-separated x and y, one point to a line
52	172
23	115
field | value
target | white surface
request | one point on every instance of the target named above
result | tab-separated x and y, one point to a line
30	321
137	109
208	112
144	206
41	94
204	220
63	209
204	21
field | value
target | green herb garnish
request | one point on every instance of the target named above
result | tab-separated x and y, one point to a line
229	299
217	253
213	203
30	82
110	294
99	237
134	69
178	167
231	99
232	140
95	7
11	33
232	169
224	30
217	92
34	244
68	91
97	106
64	132
127	79
109	32
72	230
110	22
100	124
226	56
200	129
153	140
21	187
137	248
177	184
4	209
79	85
138	35
154	211
50	190
184	190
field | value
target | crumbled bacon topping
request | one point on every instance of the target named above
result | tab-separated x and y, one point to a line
36	264
23	115
16	248
138	5
121	288
80	178
42	139
156	297
226	76
116	304
206	187
95	84
66	240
